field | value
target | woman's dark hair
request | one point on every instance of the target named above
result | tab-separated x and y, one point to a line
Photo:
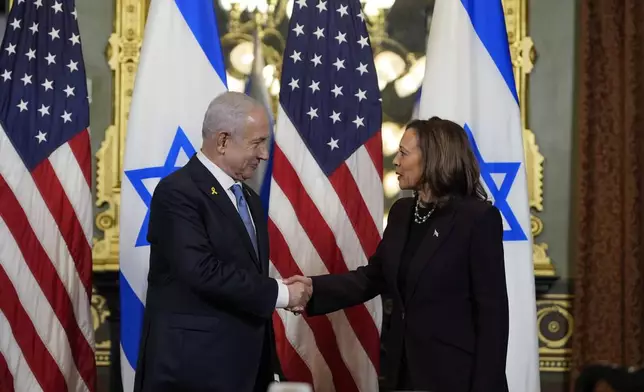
450	169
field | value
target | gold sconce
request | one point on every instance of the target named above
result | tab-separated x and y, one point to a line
265	17
391	134
246	18
392	60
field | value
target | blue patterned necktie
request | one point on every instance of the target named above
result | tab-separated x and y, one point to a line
245	214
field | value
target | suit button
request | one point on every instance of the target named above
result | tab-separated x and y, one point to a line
403	315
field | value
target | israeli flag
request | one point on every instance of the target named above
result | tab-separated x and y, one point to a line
181	70
415	112
469	80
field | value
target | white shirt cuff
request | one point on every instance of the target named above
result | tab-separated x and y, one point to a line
282	295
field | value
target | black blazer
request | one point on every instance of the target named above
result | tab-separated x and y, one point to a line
453	323
207	323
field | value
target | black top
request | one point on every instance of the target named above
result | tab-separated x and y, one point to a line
417	232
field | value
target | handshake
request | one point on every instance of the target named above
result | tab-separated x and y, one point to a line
300	290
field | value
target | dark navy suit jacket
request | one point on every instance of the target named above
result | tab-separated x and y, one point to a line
207	323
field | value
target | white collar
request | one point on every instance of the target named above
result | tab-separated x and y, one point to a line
222	178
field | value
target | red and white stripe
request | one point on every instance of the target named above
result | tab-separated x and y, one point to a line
320	225
46	330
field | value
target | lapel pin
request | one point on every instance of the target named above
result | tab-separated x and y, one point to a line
435	233
213	190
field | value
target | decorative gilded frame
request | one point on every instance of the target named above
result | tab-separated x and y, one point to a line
122	54
523	57
123	57
555	327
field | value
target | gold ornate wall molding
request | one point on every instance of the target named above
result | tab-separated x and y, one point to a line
523	55
555	327
122	54
123	57
100	313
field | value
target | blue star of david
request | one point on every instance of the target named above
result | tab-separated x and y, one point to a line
136	177
500	193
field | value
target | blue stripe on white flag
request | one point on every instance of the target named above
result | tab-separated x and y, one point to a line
487	18
131	310
265	190
415	112
249	87
200	17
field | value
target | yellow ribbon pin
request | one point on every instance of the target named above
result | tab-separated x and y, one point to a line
213	190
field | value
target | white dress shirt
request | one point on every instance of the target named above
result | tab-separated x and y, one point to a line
227	183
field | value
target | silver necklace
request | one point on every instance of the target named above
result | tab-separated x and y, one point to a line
418	218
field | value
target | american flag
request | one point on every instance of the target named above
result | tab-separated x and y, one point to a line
46	332
326	201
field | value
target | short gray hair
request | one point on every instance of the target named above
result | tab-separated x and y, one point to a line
228	112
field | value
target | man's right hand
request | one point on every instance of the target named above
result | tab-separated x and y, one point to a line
300	290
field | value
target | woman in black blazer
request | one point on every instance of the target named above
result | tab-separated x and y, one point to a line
441	260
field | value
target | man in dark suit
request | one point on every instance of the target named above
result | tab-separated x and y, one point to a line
207	323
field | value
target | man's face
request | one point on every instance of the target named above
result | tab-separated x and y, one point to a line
244	152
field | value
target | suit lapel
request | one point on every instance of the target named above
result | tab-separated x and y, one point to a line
437	233
209	185
257	213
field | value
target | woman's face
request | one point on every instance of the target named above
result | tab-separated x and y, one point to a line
408	161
